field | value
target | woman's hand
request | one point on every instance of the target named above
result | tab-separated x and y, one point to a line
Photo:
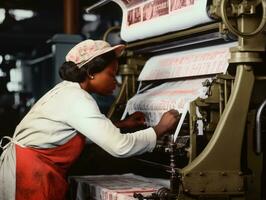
135	120
168	122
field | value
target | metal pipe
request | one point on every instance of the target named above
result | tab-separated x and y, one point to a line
232	85
97	5
127	89
258	128
221	100
71	16
105	36
133	84
40	59
225	92
118	98
155	164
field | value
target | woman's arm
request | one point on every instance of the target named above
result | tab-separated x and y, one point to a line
134	120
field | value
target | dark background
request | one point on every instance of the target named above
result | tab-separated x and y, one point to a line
30	39
27	35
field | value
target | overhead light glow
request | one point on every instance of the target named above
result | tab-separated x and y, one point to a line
8	57
90	17
21	14
2	74
2	15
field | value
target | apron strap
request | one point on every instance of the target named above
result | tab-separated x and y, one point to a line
11	141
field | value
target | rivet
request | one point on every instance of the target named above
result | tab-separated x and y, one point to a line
186	190
201	174
224	190
202	190
240	173
223	173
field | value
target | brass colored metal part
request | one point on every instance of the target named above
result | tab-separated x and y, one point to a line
227	130
129	73
253	160
213	182
113	28
193	132
118	98
217	171
245	57
244	8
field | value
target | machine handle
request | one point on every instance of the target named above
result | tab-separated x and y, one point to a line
258	128
236	31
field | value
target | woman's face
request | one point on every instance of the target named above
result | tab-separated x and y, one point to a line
148	11
104	82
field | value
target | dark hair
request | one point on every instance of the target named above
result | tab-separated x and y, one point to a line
69	70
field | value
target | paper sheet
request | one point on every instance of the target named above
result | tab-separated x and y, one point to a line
147	18
196	62
171	95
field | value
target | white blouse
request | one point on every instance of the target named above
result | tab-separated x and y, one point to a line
56	118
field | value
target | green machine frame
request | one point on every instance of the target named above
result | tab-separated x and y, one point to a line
230	165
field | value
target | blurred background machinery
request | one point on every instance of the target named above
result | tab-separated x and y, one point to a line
34	38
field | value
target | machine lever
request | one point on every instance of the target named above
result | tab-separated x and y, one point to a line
258	128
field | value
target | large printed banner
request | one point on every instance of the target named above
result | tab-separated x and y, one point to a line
147	18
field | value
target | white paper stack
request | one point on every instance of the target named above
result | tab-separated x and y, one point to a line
113	187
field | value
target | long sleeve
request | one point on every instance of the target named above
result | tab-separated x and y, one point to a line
66	109
85	117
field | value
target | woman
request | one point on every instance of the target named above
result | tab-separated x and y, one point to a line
176	4
147	11
52	135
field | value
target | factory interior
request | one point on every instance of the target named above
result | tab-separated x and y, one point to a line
204	58
27	41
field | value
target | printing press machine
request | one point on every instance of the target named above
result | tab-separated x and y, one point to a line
224	158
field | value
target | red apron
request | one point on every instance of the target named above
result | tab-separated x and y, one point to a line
41	173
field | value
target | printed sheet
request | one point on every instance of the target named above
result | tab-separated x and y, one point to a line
170	95
195	62
147	18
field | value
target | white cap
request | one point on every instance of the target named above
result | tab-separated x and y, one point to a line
86	50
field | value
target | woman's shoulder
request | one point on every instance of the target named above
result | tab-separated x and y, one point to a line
73	90
78	99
